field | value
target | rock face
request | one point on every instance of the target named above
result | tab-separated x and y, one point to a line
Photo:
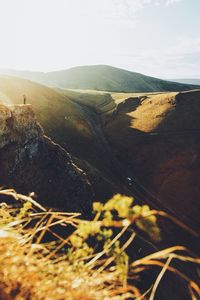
31	162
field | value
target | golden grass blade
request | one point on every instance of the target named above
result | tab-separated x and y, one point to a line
104	251
16	196
159	278
191	283
159	254
174	220
50	220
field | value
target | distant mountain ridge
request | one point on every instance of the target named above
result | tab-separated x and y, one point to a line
103	78
195	81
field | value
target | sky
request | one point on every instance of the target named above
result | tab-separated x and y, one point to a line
160	38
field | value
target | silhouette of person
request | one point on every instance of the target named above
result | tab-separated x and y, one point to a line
24	98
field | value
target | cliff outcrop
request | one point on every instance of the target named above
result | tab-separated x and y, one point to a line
31	162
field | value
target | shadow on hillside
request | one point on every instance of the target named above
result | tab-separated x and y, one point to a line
185	113
178	183
166	161
129	105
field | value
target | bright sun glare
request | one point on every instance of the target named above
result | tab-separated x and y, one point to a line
155	37
37	31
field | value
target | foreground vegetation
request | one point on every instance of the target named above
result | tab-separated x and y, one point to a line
56	255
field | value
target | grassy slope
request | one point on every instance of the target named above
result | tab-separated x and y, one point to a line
111	79
105	78
100	101
68	123
156	137
56	113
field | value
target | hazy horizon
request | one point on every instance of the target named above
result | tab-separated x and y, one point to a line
60	70
159	38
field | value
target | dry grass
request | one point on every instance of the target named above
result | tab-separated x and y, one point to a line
54	110
151	113
34	269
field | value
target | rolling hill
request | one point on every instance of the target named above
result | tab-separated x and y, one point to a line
103	78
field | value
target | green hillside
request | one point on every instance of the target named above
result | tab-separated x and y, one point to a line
103	78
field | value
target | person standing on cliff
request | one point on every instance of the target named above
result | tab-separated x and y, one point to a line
24	98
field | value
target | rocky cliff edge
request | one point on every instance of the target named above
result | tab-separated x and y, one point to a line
31	162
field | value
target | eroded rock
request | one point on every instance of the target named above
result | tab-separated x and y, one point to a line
31	162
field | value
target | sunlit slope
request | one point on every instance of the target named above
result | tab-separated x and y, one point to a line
72	124
54	110
66	122
71	121
101	102
157	138
103	78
